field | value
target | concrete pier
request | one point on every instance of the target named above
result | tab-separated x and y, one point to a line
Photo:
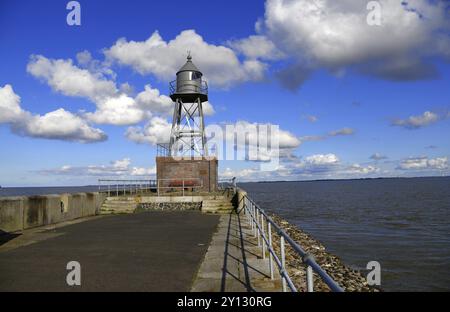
150	251
190	243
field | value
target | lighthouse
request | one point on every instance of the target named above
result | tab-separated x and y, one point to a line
189	91
184	163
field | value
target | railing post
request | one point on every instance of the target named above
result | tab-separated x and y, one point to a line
258	220
283	263
250	219
250	214
309	279
117	189
269	230
262	237
183	187
258	228
157	186
252	209
254	220
109	190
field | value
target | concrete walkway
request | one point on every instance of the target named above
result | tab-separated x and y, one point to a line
152	251
233	262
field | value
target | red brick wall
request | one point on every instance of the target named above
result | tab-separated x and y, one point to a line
203	168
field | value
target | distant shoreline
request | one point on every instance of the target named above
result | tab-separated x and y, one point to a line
350	179
274	181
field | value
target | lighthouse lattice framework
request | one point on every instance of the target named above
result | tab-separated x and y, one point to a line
189	91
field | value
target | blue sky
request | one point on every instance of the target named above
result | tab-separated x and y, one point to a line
354	100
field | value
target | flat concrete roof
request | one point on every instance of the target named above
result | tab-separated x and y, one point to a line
150	251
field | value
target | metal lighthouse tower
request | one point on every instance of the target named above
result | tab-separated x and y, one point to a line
189	92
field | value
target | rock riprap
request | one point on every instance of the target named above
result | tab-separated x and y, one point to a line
346	277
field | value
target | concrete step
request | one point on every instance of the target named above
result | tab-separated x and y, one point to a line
118	204
118	208
107	208
220	205
104	212
217	204
217	207
217	197
120	199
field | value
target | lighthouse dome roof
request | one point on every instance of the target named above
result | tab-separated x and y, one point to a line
189	66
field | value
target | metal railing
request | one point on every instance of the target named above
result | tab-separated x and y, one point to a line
179	184
124	187
262	226
227	183
163	149
192	86
135	187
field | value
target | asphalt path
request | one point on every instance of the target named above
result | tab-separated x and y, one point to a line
149	251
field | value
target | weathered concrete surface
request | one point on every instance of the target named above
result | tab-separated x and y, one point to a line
233	262
179	199
120	204
151	251
25	212
211	203
11	214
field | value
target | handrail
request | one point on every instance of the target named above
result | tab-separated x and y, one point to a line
197	88
257	216
227	183
116	187
183	185
124	186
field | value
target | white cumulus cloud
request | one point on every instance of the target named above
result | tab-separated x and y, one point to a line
115	106
64	77
358	169
255	47
59	124
120	110
118	168
220	64
416	122
335	35
421	163
322	159
157	130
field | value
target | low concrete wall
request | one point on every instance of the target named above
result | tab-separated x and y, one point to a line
238	199
20	213
11	214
